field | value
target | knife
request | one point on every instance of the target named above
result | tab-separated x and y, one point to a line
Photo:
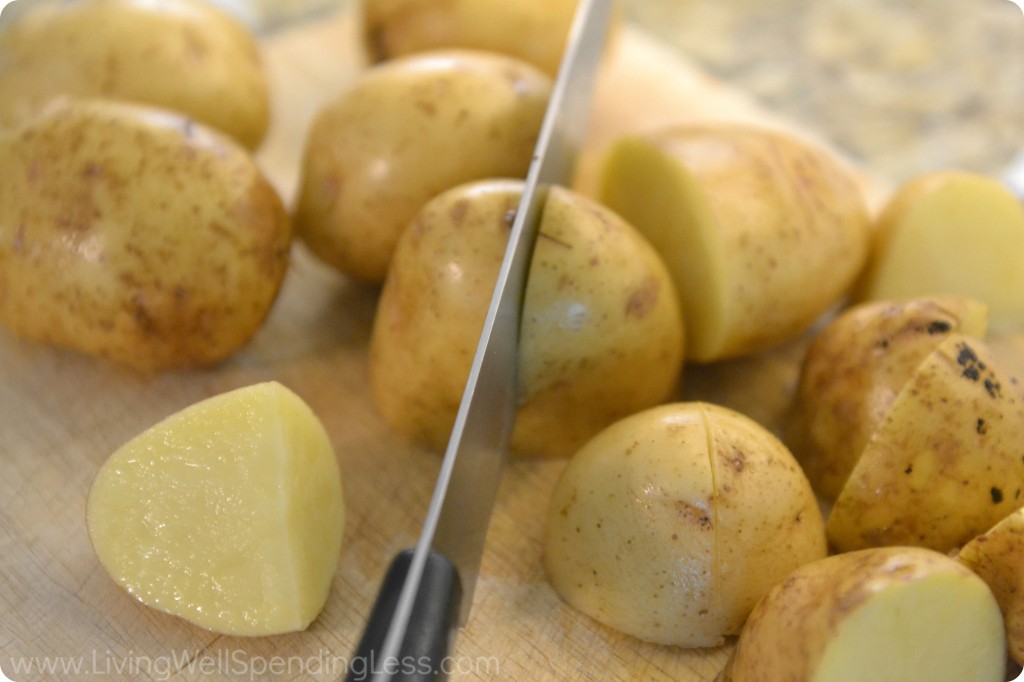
428	590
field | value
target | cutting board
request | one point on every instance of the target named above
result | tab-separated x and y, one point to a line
62	414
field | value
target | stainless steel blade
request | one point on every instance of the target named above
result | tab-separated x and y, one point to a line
460	509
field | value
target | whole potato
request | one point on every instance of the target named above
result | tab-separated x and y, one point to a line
853	371
762	232
891	614
532	30
404	132
177	54
672	523
135	234
601	333
997	556
945	464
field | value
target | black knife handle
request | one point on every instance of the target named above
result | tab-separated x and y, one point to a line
423	653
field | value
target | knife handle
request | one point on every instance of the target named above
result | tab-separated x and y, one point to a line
423	653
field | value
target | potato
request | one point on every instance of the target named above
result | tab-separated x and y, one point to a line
951	233
135	234
532	30
762	233
672	523
404	132
853	371
601	336
892	614
997	557
945	463
183	55
228	513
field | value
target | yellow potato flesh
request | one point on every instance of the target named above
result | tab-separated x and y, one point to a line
761	232
998	558
676	218
228	514
893	614
939	628
945	463
952	233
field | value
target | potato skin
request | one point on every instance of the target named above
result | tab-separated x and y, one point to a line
183	55
763	233
672	523
945	463
532	30
137	235
403	133
997	556
787	633
853	371
602	335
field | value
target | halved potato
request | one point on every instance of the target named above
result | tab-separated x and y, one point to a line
893	614
672	523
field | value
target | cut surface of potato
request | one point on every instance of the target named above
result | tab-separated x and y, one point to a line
672	523
853	371
228	513
997	557
761	232
891	614
945	464
951	233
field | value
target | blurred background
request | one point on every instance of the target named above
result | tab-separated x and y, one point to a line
903	86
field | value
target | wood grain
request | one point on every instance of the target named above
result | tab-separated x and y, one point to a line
62	414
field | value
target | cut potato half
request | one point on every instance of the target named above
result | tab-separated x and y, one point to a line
228	514
762	233
891	614
952	233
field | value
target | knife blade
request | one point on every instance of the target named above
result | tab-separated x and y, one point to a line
428	590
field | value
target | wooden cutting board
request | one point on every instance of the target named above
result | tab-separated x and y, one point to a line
62	414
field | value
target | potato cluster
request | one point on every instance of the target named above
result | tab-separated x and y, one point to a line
135	224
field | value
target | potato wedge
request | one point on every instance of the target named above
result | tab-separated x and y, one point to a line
853	371
951	233
892	614
945	463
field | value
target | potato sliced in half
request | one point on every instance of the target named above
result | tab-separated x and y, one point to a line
761	232
228	513
892	614
945	463
951	233
670	524
853	371
998	558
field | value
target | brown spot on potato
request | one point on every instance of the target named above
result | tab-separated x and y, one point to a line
457	214
997	495
643	299
981	427
938	327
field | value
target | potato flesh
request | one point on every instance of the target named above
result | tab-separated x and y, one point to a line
936	629
952	233
228	514
761	215
997	557
678	222
893	614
